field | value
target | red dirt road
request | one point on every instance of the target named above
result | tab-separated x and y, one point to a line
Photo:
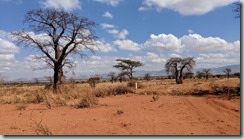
130	115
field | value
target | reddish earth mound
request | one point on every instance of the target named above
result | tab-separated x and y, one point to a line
128	115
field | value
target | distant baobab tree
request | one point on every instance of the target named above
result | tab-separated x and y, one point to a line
2	79
127	66
207	73
176	65
227	71
147	77
112	76
94	80
199	74
56	34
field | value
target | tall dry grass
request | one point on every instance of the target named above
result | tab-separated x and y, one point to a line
82	95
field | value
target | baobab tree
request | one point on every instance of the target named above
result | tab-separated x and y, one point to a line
206	73
112	76
227	71
199	74
56	34
2	79
127	66
147	77
176	66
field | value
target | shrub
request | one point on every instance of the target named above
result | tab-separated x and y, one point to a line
38	98
87	101
103	92
225	90
132	84
59	101
148	92
119	90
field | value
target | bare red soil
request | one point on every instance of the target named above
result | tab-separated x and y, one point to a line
129	115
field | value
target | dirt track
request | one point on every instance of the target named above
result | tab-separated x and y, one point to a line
130	115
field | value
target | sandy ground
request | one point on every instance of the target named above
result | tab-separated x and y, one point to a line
129	115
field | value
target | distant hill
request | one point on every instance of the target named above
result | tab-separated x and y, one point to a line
218	70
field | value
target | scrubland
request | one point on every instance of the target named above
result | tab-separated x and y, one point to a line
156	107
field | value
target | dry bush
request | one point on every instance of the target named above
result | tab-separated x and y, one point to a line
59	100
216	90
198	92
176	93
112	89
38	98
88	100
14	94
104	91
154	98
73	95
40	128
219	90
121	89
132	84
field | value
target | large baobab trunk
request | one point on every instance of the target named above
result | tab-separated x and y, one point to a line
180	80
176	77
58	76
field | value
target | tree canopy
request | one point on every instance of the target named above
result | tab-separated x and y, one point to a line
127	66
176	65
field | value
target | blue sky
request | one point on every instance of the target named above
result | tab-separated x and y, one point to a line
150	31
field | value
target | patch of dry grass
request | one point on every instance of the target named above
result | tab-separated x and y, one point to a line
80	94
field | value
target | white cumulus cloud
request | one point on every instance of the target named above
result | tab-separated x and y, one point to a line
119	34
127	45
67	5
198	43
107	26
104	47
7	47
113	3
185	7
108	15
164	42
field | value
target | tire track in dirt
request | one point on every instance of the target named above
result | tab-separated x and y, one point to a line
233	111
214	114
